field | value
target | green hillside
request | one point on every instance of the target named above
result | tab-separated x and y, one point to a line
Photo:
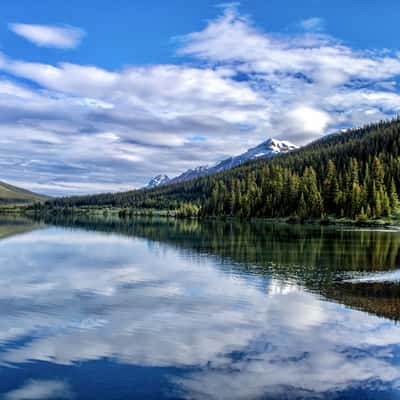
352	174
10	195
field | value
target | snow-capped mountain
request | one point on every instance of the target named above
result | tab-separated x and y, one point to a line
158	181
191	174
269	148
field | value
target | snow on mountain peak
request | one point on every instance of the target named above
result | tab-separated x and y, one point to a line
269	148
275	146
158	181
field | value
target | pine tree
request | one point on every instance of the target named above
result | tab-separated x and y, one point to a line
312	194
355	200
378	174
302	207
394	199
232	199
330	187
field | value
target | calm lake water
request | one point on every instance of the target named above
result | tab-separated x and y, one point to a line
164	309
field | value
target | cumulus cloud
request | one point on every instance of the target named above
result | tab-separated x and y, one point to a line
121	127
66	37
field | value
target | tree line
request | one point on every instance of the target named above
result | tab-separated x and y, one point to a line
353	174
357	190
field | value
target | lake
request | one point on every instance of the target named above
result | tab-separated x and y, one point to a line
169	309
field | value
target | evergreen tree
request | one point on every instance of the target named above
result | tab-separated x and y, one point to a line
331	187
394	199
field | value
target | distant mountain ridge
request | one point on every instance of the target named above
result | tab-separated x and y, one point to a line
351	175
10	194
158	181
269	148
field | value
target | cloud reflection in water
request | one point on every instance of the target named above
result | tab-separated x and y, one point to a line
72	296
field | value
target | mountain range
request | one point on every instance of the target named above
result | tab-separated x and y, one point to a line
352	174
269	148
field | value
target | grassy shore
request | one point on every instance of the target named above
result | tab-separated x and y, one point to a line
126	213
13	209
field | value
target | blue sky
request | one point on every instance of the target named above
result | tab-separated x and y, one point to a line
103	95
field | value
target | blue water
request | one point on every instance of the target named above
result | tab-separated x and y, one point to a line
86	314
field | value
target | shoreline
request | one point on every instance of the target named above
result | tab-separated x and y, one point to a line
127	214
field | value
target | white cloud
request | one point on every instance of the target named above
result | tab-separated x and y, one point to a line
314	24
315	56
64	37
293	87
308	120
40	389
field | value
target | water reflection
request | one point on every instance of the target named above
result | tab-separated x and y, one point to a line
318	258
11	226
193	311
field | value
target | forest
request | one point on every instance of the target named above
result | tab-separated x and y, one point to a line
352	174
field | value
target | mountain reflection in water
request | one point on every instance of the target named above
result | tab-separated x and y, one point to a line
184	309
